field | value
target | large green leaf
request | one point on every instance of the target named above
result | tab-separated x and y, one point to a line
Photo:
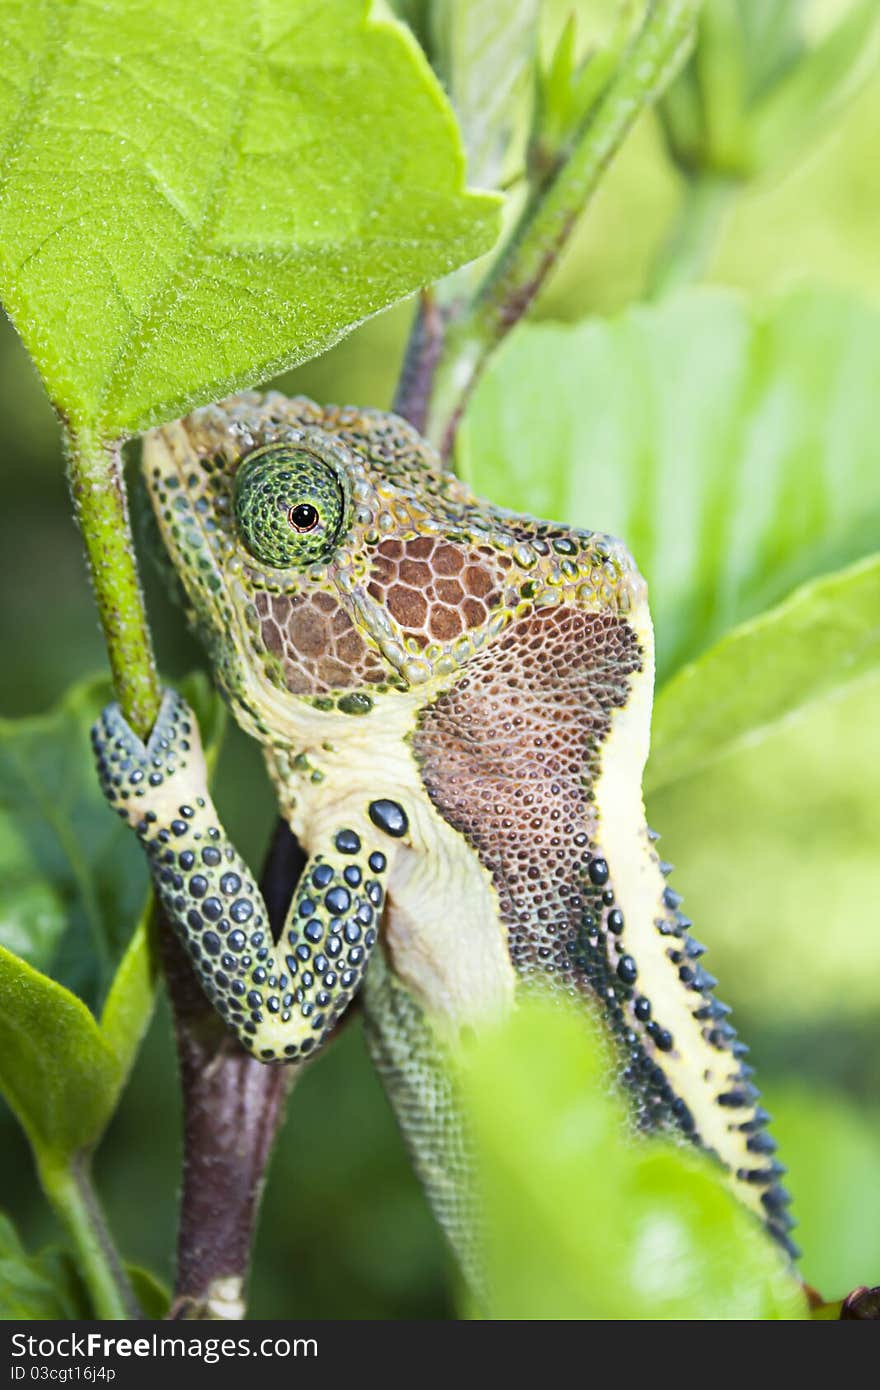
735	450
811	647
43	1286
584	1220
196	196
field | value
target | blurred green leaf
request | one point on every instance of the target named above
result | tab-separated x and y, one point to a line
75	879
43	1286
209	710
484	50
150	1292
758	88
721	60
832	1148
555	83
653	1234
734	449
196	197
775	849
129	1002
415	13
822	638
802	103
774	39
57	1071
817	225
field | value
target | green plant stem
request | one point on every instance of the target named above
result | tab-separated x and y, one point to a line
98	487
685	253
71	1193
552	210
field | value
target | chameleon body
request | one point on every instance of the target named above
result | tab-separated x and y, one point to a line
454	703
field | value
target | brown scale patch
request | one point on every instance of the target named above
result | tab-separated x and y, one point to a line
316	643
434	589
448	559
509	756
449	591
407	606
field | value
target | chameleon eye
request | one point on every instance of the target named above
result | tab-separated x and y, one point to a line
289	506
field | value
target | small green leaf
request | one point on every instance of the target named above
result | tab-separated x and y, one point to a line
734	449
195	197
58	1072
555	80
484	51
584	1219
44	1286
129	1003
812	646
569	86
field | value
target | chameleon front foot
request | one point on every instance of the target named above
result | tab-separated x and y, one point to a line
281	1001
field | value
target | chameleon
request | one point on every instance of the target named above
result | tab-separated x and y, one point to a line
454	704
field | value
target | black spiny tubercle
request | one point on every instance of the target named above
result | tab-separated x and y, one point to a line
612	973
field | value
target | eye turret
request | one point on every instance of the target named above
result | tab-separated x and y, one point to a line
289	506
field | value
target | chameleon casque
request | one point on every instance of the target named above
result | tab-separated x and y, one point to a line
454	703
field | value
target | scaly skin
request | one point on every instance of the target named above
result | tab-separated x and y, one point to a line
454	704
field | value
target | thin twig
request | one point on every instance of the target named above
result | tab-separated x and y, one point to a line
423	351
233	1108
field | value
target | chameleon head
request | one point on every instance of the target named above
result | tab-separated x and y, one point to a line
329	561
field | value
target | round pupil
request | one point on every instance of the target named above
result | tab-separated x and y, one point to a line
304	517
290	506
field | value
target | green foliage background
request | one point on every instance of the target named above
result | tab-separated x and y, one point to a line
774	841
